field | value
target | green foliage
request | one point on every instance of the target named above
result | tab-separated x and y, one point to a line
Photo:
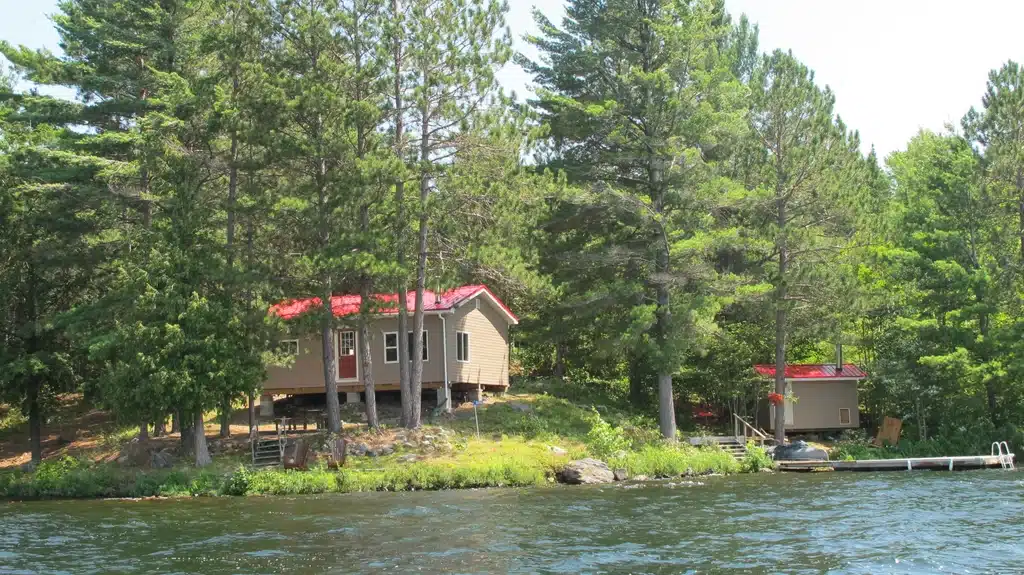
661	460
756	459
604	439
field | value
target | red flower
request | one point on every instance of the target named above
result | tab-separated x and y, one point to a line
776	398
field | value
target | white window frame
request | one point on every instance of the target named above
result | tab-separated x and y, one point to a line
465	347
298	348
387	347
849	416
426	345
341	342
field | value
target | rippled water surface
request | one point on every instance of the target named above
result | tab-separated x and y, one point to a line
922	522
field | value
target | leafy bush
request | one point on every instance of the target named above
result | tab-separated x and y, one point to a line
604	439
674	460
756	459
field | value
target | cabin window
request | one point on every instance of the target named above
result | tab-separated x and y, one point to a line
289	347
844	416
348	343
461	346
425	356
391	347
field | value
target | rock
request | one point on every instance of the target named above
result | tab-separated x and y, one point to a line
387	450
407	458
586	472
641	478
360	448
525	408
134	454
620	474
161	459
371	453
408	445
557	450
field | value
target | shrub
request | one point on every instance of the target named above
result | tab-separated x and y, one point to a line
756	459
604	439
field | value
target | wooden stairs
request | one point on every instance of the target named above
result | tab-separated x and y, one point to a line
267	448
734	447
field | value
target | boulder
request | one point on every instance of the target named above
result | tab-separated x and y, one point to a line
586	472
134	454
620	474
161	459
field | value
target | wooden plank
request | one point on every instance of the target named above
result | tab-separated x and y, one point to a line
889	432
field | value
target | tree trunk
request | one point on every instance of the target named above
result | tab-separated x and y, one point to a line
367	367
187	431
252	410
143	432
559	370
199	447
666	400
403	288
416	383
225	419
780	317
330	369
176	423
990	385
35	420
663	313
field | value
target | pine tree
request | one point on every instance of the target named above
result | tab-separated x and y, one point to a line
802	162
53	213
636	95
453	50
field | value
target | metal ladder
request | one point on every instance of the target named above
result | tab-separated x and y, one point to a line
1001	449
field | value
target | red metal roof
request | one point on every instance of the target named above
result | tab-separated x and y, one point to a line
344	305
814	371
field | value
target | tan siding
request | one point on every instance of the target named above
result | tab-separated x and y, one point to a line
387	373
488	345
488	363
307	370
818	404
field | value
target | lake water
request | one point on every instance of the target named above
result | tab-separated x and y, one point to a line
920	522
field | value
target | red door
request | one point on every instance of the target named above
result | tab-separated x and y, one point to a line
347	355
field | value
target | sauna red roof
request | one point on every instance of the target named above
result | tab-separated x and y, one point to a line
814	371
344	305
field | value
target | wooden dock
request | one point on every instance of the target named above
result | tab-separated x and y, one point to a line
915	464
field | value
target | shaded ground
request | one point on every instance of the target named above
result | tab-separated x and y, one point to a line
79	430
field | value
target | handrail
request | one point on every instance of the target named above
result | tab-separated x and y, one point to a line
1002	450
748	430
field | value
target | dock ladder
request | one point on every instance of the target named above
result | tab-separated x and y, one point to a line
1001	449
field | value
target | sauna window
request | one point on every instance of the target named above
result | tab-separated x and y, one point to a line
844	416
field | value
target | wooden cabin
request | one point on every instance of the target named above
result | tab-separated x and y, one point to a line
465	332
825	394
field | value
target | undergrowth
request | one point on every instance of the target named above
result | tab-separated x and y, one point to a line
523	442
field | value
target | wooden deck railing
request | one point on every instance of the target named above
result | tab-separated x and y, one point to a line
745	432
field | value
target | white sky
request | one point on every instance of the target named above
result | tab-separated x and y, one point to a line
895	65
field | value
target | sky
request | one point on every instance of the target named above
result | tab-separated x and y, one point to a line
896	66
